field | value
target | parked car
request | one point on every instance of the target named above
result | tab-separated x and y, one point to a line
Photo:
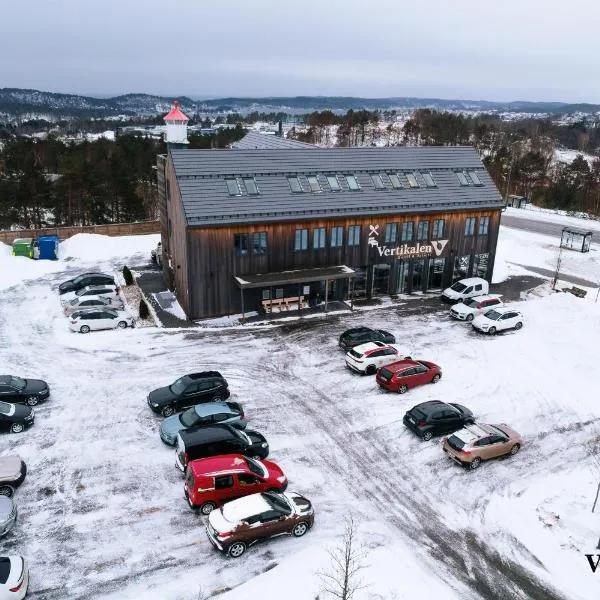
91	291
14	577
201	415
498	319
475	443
465	288
12	475
362	335
243	522
86	302
436	418
209	482
213	440
467	310
189	390
367	358
15	418
8	514
23	391
405	374
96	319
83	280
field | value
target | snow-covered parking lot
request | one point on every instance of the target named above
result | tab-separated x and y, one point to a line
102	512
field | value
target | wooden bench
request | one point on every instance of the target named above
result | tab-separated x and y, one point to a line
281	304
576	291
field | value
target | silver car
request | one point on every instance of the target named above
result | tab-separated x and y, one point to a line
84	302
8	514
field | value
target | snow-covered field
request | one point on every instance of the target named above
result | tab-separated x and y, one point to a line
102	513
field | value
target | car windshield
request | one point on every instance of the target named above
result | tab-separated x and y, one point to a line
74	301
17	382
470	302
242	436
456	443
189	417
355	354
4	569
277	502
179	386
7	409
494	315
385	373
458	287
502	433
256	467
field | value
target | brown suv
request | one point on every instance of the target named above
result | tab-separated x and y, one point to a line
469	446
240	523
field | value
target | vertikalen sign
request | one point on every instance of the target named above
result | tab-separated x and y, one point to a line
418	250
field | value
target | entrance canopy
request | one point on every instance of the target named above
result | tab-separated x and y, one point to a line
296	276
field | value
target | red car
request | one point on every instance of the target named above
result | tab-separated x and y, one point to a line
405	374
209	482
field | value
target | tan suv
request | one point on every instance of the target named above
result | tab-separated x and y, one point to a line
477	442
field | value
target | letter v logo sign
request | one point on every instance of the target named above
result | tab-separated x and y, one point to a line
593	565
438	246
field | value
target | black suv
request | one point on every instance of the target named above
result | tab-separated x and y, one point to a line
214	440
436	418
208	386
81	281
362	335
14	417
23	391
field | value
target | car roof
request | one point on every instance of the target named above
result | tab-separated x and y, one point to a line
431	406
472	280
209	433
357	331
212	408
243	508
399	365
369	347
486	297
474	432
5	378
204	375
217	465
505	309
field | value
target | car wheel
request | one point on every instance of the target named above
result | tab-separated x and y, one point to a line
370	370
217	399
300	529
122	324
474	464
6	490
427	435
167	411
515	449
16	428
518	325
31	401
84	329
207	508
237	549
403	389
436	378
492	331
469	318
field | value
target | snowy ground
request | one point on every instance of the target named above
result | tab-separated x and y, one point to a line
102	513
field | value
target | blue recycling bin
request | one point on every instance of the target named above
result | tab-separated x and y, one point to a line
48	245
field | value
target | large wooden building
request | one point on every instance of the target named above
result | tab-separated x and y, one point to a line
247	229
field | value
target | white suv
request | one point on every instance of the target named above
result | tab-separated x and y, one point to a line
468	309
498	319
85	321
367	358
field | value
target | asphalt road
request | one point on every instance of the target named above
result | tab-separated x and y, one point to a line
544	227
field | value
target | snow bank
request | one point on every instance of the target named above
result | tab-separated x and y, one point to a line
92	246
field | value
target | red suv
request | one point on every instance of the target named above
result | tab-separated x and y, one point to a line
209	482
405	374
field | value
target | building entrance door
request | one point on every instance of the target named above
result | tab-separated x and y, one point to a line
436	273
419	275
381	280
402	277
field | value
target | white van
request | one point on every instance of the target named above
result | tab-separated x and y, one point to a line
465	288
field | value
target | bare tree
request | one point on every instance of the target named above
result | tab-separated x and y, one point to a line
341	581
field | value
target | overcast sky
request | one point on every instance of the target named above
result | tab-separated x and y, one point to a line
472	49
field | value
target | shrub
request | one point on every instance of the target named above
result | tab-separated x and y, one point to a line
144	311
127	276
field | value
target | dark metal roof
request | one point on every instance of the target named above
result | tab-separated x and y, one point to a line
254	140
296	276
201	173
581	232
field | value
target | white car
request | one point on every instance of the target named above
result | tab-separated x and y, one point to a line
498	319
14	577
468	309
107	291
85	302
85	321
367	358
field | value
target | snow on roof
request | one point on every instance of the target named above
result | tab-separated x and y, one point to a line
175	114
242	508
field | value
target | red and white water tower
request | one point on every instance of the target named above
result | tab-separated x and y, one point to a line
176	127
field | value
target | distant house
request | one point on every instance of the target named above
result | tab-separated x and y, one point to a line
516	201
256	140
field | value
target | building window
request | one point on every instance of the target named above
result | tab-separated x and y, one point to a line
462	178
469	225
301	241
422	230
251	186
334	184
438	229
319	238
313	183
259	242
240	244
484	225
391	231
233	187
295	185
354	235
461	267
475	178
278	292
266	294
429	182
337	237
395	181
412	180
378	181
407	232
352	183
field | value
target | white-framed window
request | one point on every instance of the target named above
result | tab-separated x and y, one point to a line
354	235
337	237
301	240
422	230
319	238
484	225
259	242
407	232
470	225
437	231
391	231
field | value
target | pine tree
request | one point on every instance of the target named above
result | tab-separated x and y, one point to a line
127	276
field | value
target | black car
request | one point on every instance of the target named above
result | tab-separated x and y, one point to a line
362	335
436	418
14	417
196	388
214	440
23	391
81	281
